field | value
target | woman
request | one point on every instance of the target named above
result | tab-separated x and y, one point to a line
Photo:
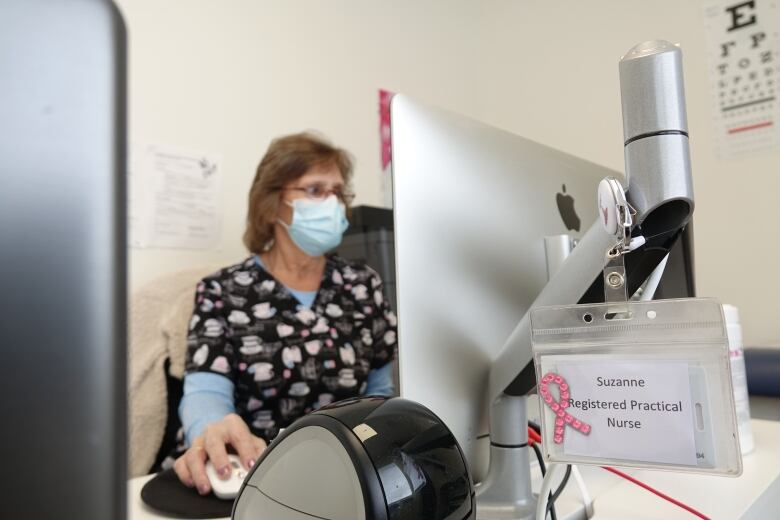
289	329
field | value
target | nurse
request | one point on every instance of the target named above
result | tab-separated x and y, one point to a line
289	329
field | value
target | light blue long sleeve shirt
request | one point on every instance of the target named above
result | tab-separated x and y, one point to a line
208	397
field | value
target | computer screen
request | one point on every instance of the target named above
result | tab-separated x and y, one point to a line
62	259
473	205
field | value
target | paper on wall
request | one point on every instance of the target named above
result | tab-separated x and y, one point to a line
175	198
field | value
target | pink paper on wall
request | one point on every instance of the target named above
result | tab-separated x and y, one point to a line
384	126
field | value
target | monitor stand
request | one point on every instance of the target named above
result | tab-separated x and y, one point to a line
505	493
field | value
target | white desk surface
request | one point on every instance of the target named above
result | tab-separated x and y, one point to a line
717	497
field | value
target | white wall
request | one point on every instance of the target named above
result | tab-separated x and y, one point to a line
228	76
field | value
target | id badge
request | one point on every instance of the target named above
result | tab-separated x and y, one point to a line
649	386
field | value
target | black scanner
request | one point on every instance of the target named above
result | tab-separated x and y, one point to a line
369	458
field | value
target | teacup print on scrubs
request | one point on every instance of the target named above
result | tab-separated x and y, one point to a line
333	310
391	318
347	354
313	347
262	371
194	321
238	318
360	292
263	420
220	364
347	378
243	278
254	404
201	355
265	288
321	327
284	330
349	274
236	301
263	311
250	345
212	328
299	389
291	356
305	315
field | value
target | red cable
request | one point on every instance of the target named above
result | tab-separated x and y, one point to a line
535	437
656	492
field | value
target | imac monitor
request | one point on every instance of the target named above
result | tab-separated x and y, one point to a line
473	205
62	259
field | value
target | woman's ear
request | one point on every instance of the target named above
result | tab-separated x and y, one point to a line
284	212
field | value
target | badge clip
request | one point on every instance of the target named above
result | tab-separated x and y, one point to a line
617	217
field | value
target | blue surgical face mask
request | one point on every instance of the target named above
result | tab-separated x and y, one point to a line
317	225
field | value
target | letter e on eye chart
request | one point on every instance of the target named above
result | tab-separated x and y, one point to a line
638	411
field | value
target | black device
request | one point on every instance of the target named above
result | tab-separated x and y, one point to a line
370	239
368	458
678	280
62	259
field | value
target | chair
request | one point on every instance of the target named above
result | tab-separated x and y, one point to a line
159	314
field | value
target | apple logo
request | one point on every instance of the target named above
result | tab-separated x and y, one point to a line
566	209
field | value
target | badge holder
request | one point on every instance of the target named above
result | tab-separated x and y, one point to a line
640	384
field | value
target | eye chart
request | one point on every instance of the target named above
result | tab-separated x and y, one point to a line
744	62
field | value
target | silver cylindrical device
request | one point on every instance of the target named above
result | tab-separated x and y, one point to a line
556	249
655	131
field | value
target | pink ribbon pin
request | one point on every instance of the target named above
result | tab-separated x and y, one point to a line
563	418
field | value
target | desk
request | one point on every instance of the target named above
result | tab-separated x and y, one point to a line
755	494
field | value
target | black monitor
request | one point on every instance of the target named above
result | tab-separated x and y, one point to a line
678	280
62	260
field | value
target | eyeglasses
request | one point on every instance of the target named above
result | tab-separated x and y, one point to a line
320	192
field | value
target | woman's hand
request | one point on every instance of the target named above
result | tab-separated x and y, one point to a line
212	445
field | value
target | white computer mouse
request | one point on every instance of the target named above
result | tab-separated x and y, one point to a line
227	489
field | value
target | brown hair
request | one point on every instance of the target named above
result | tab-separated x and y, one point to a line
288	158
